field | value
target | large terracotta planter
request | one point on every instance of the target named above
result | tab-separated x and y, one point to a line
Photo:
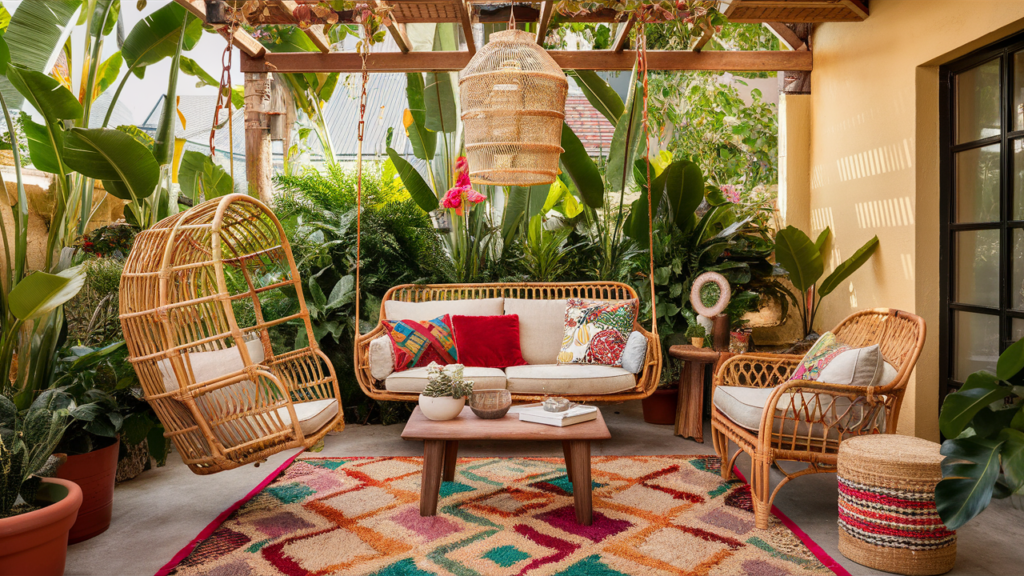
36	543
660	407
95	473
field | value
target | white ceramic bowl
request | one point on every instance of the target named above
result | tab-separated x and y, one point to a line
444	408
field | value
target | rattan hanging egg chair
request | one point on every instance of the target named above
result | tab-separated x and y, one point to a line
200	343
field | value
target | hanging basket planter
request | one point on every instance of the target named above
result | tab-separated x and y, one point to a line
512	95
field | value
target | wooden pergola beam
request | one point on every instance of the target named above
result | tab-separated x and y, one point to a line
242	39
622	35
467	26
544	19
315	32
569	60
786	35
397	31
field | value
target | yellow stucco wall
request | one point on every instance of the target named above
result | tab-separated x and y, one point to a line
875	158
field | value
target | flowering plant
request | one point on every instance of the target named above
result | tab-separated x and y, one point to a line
463	192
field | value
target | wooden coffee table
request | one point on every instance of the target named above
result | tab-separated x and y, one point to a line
441	449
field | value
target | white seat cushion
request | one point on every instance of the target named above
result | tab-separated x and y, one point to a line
312	415
382	357
396	310
415	379
744	406
568	379
541	326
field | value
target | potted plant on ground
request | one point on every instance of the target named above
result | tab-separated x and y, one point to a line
445	394
34	528
91	441
983	422
660	406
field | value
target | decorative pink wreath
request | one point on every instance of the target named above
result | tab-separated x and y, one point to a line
725	293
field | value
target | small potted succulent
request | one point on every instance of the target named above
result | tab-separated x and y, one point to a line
445	394
36	510
696	334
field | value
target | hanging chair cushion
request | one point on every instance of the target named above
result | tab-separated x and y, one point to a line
420	342
488	341
596	332
569	379
415	379
541	326
312	415
211	364
398	310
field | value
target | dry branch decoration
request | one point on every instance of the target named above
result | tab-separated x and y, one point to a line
691	18
373	18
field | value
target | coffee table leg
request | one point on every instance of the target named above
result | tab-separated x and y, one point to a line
581	487
430	483
451	455
567	454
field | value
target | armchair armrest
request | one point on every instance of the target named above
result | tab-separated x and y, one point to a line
818	414
756	370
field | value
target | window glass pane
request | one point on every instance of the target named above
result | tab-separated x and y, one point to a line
1017	277
1016	329
977	266
977	184
1018	91
1018	179
977	103
977	344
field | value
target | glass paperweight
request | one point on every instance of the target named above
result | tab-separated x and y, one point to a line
556	405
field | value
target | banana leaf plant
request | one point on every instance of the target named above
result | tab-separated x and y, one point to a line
983	423
804	261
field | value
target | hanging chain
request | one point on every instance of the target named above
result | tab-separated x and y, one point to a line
363	54
641	55
222	89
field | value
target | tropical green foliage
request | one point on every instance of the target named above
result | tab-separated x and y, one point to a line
805	262
28	439
983	422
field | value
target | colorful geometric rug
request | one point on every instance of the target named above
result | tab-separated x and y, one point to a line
652	515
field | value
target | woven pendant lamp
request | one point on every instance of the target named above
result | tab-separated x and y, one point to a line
513	103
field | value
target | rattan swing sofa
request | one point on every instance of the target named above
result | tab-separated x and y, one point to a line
811	419
541	309
200	343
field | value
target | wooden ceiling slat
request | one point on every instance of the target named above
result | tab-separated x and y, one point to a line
242	39
568	59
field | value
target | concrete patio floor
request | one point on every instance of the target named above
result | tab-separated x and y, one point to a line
159	512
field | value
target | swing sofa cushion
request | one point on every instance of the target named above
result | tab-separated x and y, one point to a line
420	342
596	331
415	379
382	357
568	379
541	325
488	341
397	310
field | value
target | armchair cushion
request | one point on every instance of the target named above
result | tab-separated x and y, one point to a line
744	406
836	363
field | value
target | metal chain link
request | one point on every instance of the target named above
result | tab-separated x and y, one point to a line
225	87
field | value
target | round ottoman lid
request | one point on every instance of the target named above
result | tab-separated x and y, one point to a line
891	455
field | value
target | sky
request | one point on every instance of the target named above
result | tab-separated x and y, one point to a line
141	95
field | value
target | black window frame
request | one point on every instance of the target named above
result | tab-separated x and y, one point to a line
1002	50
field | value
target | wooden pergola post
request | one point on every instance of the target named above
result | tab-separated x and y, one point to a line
257	135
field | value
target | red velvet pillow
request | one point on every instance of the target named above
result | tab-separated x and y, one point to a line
488	341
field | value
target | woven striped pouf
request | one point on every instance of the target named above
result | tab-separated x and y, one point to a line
887	515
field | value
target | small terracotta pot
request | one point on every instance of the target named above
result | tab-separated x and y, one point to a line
36	543
444	408
697	342
660	407
95	473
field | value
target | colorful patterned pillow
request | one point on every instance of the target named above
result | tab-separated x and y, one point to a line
596	332
836	363
420	342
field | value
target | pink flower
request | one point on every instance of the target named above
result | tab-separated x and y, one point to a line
453	199
731	193
474	196
461	165
463	180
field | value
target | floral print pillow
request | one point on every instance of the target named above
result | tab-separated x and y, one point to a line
596	331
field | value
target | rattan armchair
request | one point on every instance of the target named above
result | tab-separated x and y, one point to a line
811	419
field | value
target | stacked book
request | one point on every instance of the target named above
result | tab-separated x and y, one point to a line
575	415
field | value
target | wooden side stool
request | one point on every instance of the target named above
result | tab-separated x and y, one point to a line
887	515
